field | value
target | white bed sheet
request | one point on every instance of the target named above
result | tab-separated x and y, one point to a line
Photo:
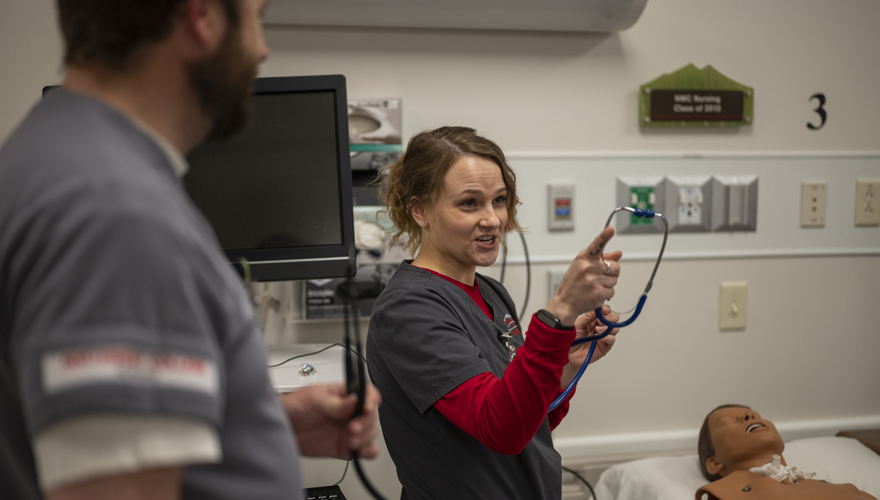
835	459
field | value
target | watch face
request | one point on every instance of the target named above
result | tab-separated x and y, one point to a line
552	321
548	319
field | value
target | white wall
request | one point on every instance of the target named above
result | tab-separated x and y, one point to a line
577	92
810	347
30	57
541	95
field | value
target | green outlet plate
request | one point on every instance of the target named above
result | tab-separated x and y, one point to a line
642	200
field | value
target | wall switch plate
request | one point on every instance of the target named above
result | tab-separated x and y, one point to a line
813	203
561	206
640	192
553	279
688	203
867	202
733	306
735	203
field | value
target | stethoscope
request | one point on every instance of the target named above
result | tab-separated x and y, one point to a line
611	325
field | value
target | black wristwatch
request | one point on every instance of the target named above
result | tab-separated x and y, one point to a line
552	321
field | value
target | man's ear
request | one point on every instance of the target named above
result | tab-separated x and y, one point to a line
205	20
713	466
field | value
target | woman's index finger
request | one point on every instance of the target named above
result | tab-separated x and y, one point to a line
595	249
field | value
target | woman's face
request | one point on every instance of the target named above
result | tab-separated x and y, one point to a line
465	223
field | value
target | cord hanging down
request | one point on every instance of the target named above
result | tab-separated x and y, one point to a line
355	369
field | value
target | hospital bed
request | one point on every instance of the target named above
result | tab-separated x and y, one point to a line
835	459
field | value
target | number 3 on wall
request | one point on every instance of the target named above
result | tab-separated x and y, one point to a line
822	114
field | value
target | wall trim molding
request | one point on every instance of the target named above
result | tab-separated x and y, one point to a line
711	255
622	155
613	448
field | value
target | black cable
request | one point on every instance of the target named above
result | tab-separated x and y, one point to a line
528	274
356	377
344	472
311	354
363	477
350	303
575	474
503	266
528	271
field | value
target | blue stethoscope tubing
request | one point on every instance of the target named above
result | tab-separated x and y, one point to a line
611	325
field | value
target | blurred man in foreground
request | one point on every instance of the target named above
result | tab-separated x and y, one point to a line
132	366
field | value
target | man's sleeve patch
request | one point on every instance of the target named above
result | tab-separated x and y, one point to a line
74	367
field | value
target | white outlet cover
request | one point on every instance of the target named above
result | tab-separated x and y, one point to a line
813	202
688	203
867	202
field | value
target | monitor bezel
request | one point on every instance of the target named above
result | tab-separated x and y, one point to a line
312	262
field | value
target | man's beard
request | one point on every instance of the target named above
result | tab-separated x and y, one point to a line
224	84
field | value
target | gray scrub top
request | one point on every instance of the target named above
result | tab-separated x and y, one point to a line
426	337
115	297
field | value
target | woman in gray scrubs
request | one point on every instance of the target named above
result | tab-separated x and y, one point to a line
465	396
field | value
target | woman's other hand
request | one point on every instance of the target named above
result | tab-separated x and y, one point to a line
588	324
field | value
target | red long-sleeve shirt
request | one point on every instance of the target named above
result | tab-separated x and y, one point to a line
504	414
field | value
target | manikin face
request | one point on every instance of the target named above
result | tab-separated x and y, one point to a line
742	440
465	222
224	82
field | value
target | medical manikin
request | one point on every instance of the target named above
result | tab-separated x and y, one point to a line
741	454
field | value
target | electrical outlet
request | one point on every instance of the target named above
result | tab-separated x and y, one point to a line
690	206
688	203
813	203
867	202
733	306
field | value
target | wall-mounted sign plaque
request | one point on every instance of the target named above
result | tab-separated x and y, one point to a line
693	97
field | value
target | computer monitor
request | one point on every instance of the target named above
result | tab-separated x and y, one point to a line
279	194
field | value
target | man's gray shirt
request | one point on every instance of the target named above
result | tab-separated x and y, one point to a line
115	297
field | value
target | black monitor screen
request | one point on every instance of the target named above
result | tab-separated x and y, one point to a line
277	184
279	194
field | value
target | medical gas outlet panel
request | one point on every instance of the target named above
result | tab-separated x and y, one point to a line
561	208
690	203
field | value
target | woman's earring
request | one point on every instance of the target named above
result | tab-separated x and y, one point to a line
421	223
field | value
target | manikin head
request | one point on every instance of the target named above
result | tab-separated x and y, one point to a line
735	437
